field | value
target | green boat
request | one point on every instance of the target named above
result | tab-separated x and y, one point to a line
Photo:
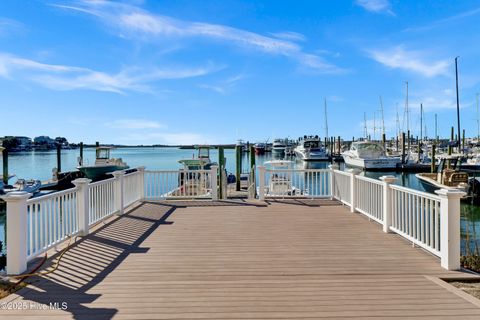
103	165
202	162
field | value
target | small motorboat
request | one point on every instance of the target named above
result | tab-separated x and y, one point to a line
103	164
447	177
201	162
31	186
279	179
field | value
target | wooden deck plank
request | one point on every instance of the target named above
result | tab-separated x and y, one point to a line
295	259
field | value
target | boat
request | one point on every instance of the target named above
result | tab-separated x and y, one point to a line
31	186
447	177
278	148
280	182
259	148
201	162
103	165
369	155
309	148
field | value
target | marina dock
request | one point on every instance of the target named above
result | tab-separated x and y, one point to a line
244	260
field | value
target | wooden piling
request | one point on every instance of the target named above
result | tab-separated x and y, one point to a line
5	166
339	145
221	166
463	141
433	158
403	147
59	158
81	154
238	167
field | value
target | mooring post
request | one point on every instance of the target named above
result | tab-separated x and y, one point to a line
221	165
214	182
82	205
59	158
81	154
16	231
403	147
252	173
408	141
387	202
5	165
450	228
238	171
463	141
433	158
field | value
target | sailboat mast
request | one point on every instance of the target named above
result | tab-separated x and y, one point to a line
478	123
406	110
383	120
436	132
397	122
365	133
374	128
421	122
458	104
326	121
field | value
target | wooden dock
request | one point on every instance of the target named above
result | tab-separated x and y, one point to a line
296	259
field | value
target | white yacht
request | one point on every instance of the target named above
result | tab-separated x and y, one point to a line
369	155
310	149
278	148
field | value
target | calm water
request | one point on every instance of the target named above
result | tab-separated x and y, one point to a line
39	165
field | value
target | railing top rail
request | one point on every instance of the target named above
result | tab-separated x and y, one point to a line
177	171
297	170
51	195
92	184
415	192
131	173
367	179
343	173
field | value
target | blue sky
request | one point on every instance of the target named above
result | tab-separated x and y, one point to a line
143	72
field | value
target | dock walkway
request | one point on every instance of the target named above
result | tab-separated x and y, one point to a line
296	259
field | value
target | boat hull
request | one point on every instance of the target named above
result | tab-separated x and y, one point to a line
98	172
372	164
320	156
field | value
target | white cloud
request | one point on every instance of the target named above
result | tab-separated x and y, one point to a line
134	22
399	58
134	124
289	35
446	21
376	6
225	86
64	77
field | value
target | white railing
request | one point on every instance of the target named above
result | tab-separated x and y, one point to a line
416	216
341	186
180	184
369	197
287	183
133	187
429	221
101	200
51	218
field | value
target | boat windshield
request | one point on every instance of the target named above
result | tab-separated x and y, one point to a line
103	153
203	153
370	150
311	144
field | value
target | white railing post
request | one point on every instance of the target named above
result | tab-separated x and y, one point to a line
261	183
387	202
118	188
450	228
16	231
83	205
141	183
214	182
353	191
332	168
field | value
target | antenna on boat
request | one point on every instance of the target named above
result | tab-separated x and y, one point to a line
458	103
326	121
